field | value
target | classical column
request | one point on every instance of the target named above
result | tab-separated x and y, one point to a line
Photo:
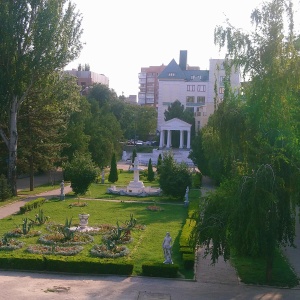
188	139
169	139
162	139
181	139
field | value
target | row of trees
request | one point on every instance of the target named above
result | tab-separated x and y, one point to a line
250	145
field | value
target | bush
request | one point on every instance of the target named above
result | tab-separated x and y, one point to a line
160	270
32	205
174	177
188	260
5	189
63	264
81	171
113	174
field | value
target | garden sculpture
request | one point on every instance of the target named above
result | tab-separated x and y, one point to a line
62	190
167	248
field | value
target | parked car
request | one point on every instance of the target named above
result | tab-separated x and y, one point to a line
148	143
138	142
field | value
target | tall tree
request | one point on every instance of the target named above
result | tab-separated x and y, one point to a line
113	173
42	123
37	37
260	154
150	174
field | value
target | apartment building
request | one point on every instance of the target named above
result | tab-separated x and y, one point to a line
194	88
85	79
148	85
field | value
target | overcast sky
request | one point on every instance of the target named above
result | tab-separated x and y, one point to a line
123	36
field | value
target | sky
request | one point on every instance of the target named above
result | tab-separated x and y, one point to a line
120	37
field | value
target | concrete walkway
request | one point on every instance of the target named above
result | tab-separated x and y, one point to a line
212	282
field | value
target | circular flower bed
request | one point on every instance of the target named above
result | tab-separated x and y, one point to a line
55	250
125	239
102	251
10	245
154	208
17	232
58	238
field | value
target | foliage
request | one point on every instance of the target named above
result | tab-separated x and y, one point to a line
150	174
158	165
66	230
40	218
37	38
41	123
160	270
26	225
5	190
174	177
113	174
81	171
257	162
134	155
28	206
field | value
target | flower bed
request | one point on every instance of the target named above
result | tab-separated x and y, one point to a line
10	245
103	251
58	238
154	208
125	239
55	250
17	232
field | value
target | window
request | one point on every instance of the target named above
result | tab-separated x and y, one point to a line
190	99
192	77
190	88
201	99
222	79
201	88
171	74
221	90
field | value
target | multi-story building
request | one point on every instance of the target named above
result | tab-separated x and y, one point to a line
85	79
196	89
148	85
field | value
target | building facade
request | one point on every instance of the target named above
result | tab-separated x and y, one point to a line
85	79
148	85
196	89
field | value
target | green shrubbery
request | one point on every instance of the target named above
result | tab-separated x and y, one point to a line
5	190
32	205
63	264
160	270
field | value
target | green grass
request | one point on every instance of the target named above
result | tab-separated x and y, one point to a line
253	271
146	246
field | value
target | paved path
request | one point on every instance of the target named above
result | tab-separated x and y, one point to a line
212	282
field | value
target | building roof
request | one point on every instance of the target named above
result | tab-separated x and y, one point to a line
173	72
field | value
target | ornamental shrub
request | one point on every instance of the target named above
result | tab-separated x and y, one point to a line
81	171
5	190
174	177
150	174
113	174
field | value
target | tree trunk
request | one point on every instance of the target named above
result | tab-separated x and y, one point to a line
269	267
12	146
31	174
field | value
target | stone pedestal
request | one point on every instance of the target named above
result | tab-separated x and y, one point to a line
83	220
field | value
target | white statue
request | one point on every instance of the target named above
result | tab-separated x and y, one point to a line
62	190
167	248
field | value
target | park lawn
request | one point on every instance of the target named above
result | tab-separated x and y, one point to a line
147	244
253	270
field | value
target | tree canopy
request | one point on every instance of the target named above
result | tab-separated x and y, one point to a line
37	38
251	141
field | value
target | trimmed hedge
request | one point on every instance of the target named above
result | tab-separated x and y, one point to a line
32	205
160	270
188	260
63	264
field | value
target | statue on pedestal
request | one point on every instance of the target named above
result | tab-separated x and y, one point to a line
62	190
167	248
